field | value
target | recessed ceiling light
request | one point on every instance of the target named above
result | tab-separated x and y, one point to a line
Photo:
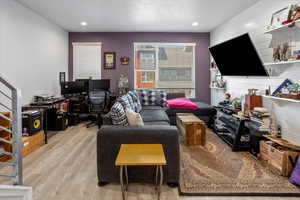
195	24
83	23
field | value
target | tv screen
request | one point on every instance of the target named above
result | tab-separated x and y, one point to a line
238	57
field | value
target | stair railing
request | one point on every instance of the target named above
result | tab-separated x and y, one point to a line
14	107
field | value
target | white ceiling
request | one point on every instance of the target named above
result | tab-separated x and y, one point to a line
138	15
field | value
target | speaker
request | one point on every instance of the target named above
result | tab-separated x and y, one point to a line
61	122
31	122
73	119
56	121
62	77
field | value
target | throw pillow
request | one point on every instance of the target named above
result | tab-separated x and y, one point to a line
136	101
118	115
126	101
153	97
134	119
184	103
295	177
161	97
144	97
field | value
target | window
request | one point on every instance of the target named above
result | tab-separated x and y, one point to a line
169	67
86	60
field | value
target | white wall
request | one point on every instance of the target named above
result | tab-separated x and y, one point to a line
255	20
32	50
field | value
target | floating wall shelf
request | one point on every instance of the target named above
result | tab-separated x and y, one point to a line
282	99
216	88
283	27
282	63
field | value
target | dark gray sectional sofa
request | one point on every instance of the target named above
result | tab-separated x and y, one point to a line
205	112
157	130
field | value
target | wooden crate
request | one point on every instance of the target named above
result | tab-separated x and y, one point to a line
192	128
277	160
32	143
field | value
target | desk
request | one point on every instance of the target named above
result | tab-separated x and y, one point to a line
44	108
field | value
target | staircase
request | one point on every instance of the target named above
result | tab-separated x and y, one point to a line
10	118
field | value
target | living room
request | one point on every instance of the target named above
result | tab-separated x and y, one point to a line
149	99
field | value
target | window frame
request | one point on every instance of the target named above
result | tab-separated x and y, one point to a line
74	46
156	45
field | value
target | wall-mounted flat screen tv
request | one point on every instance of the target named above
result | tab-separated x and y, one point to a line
238	57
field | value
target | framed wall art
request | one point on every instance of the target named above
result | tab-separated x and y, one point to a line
109	60
280	16
124	60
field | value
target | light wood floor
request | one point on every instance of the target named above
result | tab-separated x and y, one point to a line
65	169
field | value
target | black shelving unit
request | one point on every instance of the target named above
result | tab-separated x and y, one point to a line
233	131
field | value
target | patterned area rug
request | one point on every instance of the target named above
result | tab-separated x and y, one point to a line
215	170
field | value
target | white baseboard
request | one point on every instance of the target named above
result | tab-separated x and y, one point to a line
9	192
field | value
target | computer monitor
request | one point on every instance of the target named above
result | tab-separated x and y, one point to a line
103	84
72	87
86	83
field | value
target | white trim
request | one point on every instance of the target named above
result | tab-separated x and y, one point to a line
163	43
156	70
15	192
86	43
194	72
156	74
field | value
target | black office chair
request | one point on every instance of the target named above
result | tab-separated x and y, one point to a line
98	101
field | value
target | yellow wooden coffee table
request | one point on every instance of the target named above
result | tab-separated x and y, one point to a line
141	155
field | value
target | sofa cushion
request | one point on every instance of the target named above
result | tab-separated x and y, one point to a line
127	101
157	123
143	96
183	103
152	97
203	110
136	101
154	108
154	116
157	97
118	115
134	119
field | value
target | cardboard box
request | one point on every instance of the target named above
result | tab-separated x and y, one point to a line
32	143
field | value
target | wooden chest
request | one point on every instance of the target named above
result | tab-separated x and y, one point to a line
192	128
277	160
32	143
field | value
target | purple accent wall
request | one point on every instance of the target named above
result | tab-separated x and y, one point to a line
122	44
